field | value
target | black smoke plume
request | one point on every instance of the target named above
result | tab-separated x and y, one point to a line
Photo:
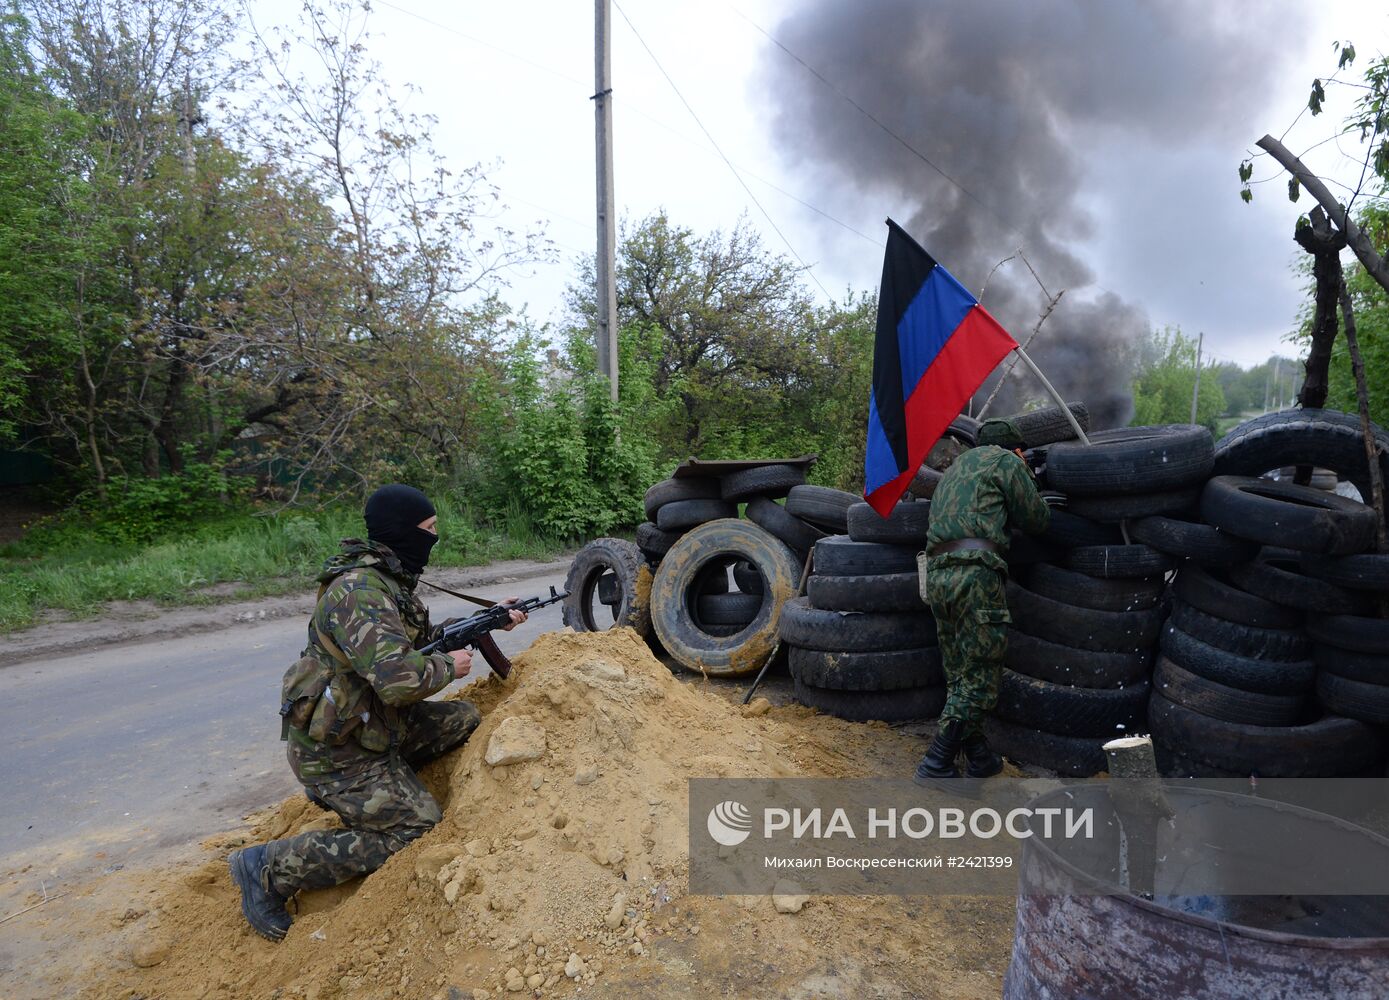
1012	99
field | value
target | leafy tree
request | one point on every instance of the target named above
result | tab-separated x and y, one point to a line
1166	379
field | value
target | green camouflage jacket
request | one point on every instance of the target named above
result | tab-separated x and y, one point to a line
343	716
978	496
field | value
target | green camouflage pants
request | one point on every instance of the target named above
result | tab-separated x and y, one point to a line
971	612
383	807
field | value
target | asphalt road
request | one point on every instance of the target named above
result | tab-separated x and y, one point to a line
114	754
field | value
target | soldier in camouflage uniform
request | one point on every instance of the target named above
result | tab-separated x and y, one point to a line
355	718
962	575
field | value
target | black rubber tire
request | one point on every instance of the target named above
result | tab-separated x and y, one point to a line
907	524
1367	571
1084	628
964	428
1323	438
1371	668
1285	514
1028	550
1069	756
783	524
1277	576
1244	672
747	578
655	543
922	487
891	592
762	481
728	609
1214	594
886	670
1060	664
681	515
1071	711
863	631
1194	540
1071	531
672	616
1113	509
1364	635
1048	426
1120	562
1242	640
900	705
1331	746
823	507
1084	591
622	562
673	490
1220	701
839	555
1132	460
1354	699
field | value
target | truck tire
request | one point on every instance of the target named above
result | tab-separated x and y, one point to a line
622	562
655	543
1277	576
1132	460
1071	711
1192	539
1094	592
672	595
1288	515
761	481
1331	746
784	525
864	631
1242	640
823	507
907	524
891	592
1122	562
1085	628
1313	437
671	490
1113	509
1049	425
887	670
1060	664
1220	701
1244	672
900	705
1069	756
680	515
840	555
1212	592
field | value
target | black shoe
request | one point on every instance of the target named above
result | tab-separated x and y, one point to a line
980	761
263	907
938	768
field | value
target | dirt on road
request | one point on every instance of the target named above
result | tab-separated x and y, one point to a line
562	873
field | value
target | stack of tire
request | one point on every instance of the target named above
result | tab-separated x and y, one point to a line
1236	688
862	643
1086	606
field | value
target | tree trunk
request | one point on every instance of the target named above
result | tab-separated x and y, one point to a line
1138	798
1362	398
1325	245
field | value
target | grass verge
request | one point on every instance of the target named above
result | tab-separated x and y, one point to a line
61	567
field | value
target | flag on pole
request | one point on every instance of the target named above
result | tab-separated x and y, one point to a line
935	345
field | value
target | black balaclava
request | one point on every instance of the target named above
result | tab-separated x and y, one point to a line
393	514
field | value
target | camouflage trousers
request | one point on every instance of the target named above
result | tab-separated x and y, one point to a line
383	807
971	612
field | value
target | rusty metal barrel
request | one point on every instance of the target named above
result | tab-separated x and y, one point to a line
1072	942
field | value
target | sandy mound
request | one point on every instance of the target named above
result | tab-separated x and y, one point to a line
560	866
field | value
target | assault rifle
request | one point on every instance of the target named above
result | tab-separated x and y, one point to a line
476	630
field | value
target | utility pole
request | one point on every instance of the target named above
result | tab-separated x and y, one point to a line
1277	386
1196	392
607	231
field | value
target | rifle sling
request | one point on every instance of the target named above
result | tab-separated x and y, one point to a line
482	601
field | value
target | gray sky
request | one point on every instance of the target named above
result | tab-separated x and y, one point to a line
510	84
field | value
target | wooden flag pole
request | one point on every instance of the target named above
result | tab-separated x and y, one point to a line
1051	390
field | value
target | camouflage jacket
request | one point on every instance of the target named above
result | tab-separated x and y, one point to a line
343	714
985	490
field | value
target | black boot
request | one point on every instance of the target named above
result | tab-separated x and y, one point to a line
980	761
263	907
938	768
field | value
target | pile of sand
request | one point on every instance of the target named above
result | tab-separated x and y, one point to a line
560	866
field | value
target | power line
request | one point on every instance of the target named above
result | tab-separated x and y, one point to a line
726	160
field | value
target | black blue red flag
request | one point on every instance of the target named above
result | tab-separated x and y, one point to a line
935	345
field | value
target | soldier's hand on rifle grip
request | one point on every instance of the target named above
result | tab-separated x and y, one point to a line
462	662
517	615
